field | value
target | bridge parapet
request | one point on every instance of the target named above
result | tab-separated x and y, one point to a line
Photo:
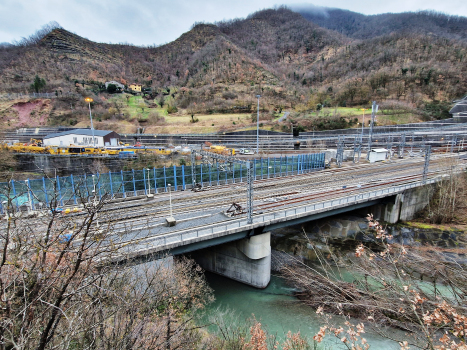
187	240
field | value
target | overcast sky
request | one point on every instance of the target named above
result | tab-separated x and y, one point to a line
159	21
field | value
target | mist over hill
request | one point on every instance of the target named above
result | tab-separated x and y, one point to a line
359	26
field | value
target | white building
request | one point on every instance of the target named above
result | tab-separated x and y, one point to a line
83	137
378	155
116	83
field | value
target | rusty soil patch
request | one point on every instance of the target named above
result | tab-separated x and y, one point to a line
32	113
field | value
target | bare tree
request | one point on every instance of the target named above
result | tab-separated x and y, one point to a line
58	289
420	291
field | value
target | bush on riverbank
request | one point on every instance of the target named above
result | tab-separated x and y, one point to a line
420	291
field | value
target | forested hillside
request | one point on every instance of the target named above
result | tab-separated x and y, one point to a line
358	26
300	62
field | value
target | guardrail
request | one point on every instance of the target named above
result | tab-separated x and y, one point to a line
174	239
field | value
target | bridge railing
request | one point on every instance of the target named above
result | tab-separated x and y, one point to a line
270	218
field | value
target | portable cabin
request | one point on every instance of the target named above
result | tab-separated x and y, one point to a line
378	155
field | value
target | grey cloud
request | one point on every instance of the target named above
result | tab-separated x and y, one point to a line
157	22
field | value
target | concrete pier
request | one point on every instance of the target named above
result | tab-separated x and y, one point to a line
247	260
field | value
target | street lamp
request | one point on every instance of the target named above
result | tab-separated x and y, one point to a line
257	127
89	100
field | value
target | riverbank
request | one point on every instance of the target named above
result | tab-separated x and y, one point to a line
397	276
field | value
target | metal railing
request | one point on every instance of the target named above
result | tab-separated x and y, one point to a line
224	228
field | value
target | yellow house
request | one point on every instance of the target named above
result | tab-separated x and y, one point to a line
135	87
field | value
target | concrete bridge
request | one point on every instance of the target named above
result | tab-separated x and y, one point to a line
240	250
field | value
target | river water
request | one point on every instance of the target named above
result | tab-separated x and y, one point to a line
278	310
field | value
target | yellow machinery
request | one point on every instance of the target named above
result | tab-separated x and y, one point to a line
222	150
27	148
36	146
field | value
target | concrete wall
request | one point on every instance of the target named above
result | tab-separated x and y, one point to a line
403	206
414	200
247	260
68	165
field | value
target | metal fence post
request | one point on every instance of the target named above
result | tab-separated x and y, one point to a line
14	193
144	181
210	174
73	189
193	169
59	191
99	185
123	184
29	195
45	191
165	181
226	173
111	184
183	177
134	181
155	179
175	178
201	174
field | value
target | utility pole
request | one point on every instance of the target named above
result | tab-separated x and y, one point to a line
427	163
402	145
357	148
374	110
340	151
257	127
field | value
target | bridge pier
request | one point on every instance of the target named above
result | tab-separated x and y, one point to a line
247	260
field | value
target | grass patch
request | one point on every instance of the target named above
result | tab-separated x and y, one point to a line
420	225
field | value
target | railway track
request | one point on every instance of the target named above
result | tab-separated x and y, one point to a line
277	207
269	194
263	189
332	188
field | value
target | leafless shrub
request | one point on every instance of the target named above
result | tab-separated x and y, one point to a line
420	291
59	291
450	196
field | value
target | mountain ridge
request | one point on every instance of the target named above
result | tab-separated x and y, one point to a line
292	62
359	26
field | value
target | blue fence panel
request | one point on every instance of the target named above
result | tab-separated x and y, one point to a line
79	188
